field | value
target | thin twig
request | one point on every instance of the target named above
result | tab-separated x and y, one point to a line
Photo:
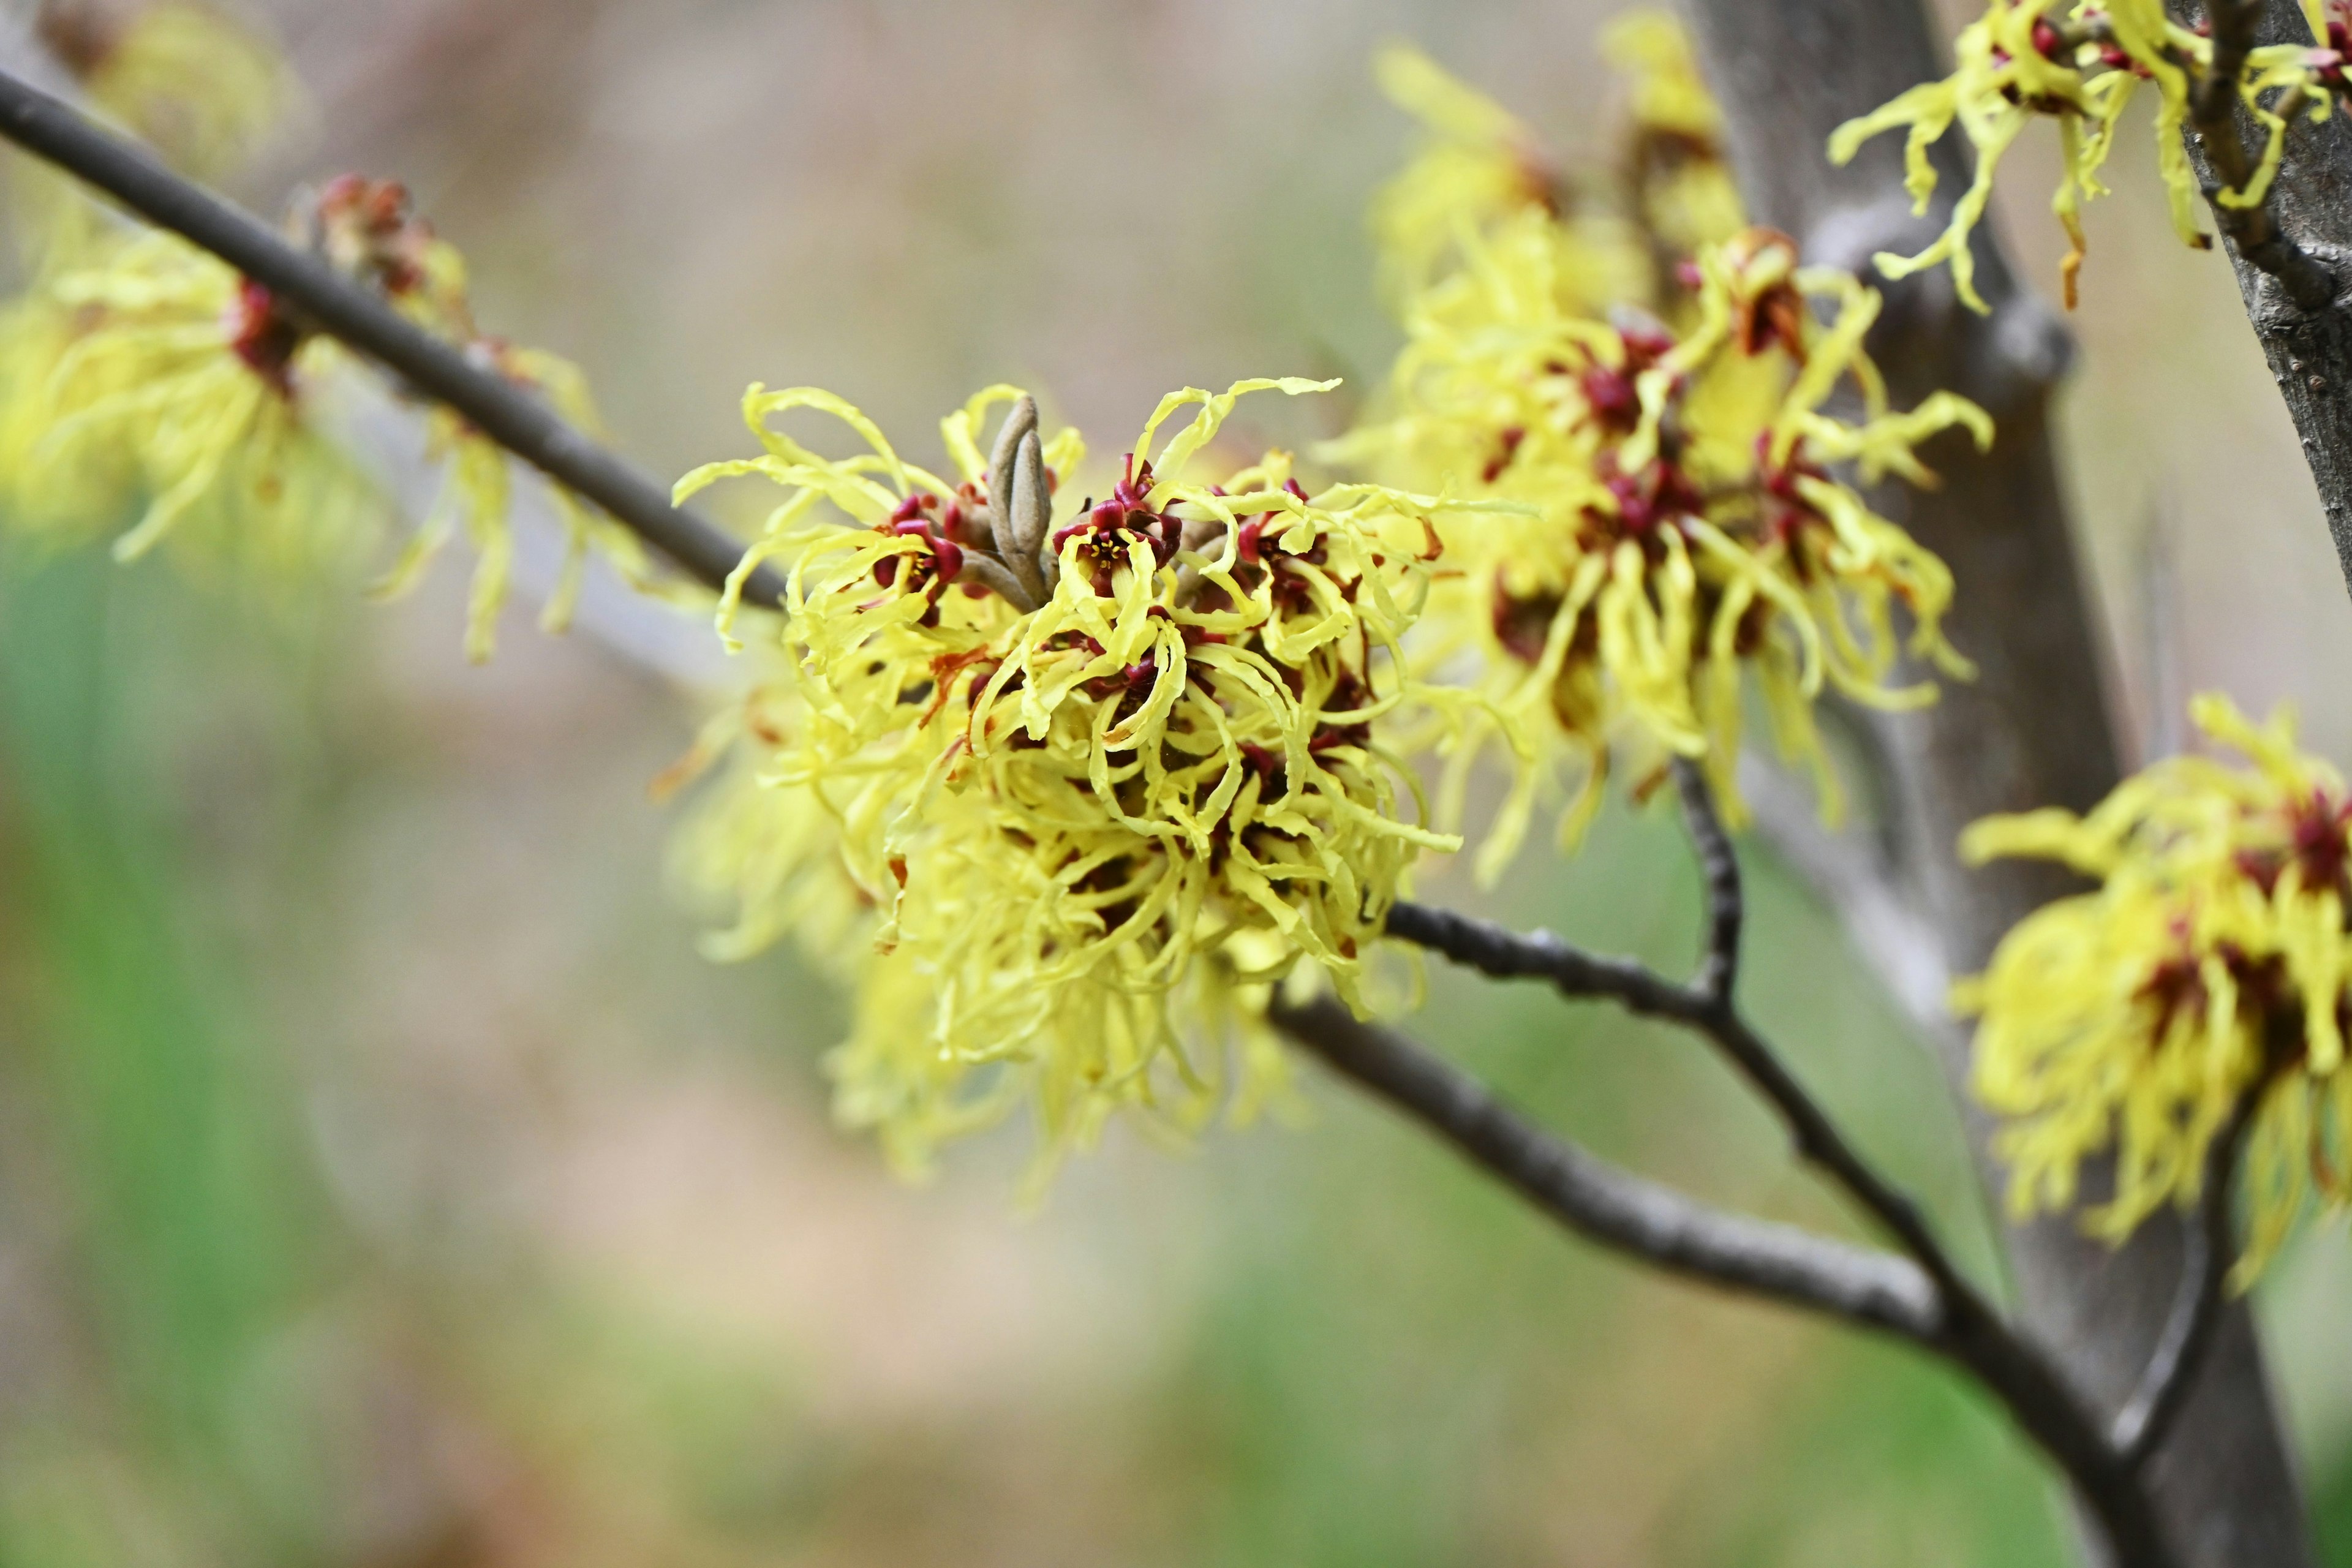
1658	1226
1705	1007
1502	954
1973	1333
1718	864
2210	1251
507	414
2214	112
1612	1207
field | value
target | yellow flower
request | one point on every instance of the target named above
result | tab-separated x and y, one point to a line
1681	522
1101	775
157	377
2211	961
183	78
1481	175
147	370
1481	185
2080	65
1683	193
478	494
765	854
369	231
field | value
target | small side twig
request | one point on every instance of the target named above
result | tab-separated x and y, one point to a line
524	424
1705	1007
2209	1253
1608	1205
2309	282
1718	864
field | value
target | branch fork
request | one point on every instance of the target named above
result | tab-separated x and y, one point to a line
1918	1293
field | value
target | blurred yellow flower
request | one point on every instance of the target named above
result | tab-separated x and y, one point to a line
143	371
199	88
1480	184
2209	962
157	378
1480	177
1683	195
1680	519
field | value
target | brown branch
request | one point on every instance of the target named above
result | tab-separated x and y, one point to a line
1718	863
2210	1250
514	418
1608	1205
1502	954
2213	114
1971	1331
1707	1008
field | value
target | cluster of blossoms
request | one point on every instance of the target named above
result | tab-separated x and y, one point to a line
144	381
1093	774
2211	963
1064	791
2080	62
1681	521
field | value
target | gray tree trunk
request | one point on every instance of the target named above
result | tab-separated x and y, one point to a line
2033	730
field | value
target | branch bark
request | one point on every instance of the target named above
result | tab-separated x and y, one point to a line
1612	1207
2307	342
2033	730
1966	1331
2254	233
521	422
2171	1372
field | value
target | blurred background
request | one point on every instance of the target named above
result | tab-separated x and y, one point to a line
385	1181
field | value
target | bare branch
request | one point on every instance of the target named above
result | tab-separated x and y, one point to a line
1494	951
1656	1224
1608	1205
507	414
1504	955
2212	1250
1718	864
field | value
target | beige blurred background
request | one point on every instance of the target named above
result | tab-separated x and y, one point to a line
384	1180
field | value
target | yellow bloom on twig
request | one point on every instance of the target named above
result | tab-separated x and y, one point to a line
1682	521
142	372
2209	962
155	378
1099	768
2079	63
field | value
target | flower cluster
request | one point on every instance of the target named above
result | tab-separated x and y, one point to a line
1096	769
1684	521
1649	385
139	374
2080	63
2211	963
151	380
